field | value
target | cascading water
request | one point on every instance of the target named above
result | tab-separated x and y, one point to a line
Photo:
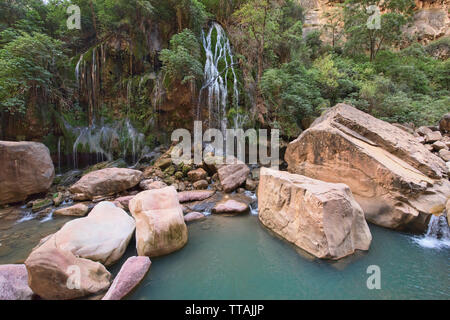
438	234
106	142
219	67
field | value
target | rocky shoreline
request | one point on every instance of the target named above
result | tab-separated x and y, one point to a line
348	167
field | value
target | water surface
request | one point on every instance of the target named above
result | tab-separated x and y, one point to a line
237	258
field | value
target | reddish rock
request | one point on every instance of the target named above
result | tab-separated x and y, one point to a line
123	202
14	282
194	216
232	176
26	169
105	182
129	276
200	185
230	207
197	195
151	184
196	175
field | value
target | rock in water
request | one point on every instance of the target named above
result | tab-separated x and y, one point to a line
26	169
395	179
102	236
194	216
77	210
106	182
160	226
230	206
129	276
321	218
14	282
57	274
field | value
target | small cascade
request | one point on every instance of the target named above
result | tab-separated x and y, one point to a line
218	74
438	234
107	142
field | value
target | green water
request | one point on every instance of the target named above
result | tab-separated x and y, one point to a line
237	258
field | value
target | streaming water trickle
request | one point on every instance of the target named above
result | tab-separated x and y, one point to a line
438	234
218	66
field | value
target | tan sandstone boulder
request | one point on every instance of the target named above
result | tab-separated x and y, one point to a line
321	218
394	178
26	169
57	274
102	236
160	226
106	182
77	210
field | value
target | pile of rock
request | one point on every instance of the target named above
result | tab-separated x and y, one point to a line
437	139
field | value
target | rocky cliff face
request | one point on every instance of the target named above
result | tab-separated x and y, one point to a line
431	19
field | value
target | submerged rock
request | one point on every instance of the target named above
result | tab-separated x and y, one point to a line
321	218
160	226
394	178
105	182
194	216
129	276
14	282
26	169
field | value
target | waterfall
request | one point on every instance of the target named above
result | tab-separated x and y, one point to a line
77	69
106	142
438	234
219	66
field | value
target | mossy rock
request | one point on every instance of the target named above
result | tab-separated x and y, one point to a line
170	171
40	204
179	175
120	163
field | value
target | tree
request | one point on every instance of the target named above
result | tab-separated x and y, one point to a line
32	73
181	61
256	17
362	32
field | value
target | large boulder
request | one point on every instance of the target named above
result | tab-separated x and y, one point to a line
321	218
394	178
106	182
26	169
160	226
14	282
57	274
102	236
129	276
